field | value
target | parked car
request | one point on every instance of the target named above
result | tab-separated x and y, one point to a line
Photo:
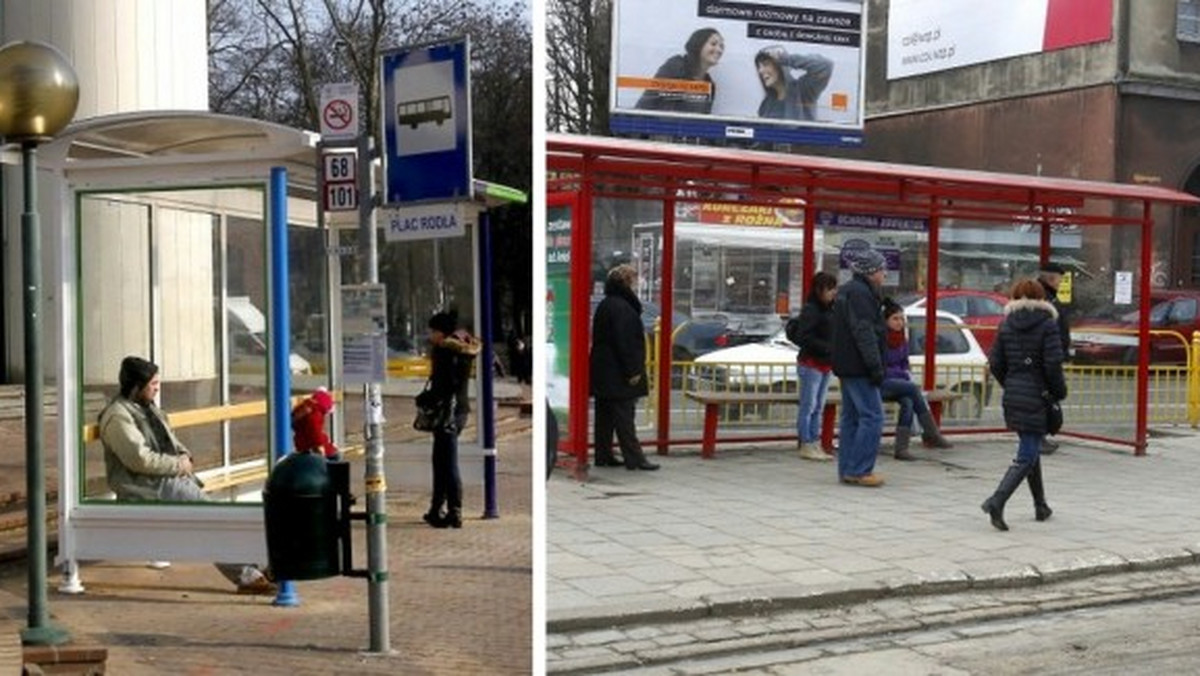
693	336
770	365
1115	341
981	310
248	339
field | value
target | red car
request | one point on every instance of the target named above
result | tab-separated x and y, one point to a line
981	311
1175	313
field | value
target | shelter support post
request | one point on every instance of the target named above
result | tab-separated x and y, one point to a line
487	403
280	367
581	265
808	265
1143	372
929	375
666	324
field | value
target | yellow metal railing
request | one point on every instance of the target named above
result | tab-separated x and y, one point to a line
1101	396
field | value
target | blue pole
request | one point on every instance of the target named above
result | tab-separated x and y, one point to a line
280	385
487	406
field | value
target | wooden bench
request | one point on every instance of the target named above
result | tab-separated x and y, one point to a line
713	401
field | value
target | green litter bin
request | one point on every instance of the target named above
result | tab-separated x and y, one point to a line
300	505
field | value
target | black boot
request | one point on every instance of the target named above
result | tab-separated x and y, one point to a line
930	434
434	517
903	434
1041	510
994	506
453	518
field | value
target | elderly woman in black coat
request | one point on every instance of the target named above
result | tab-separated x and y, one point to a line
1027	360
618	370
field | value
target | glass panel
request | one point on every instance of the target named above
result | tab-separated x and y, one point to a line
558	314
160	266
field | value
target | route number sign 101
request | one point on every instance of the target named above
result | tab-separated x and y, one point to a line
341	197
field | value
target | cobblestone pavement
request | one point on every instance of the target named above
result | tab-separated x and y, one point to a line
745	643
460	600
757	530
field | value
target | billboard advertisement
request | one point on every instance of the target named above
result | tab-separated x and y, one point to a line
426	120
771	70
928	36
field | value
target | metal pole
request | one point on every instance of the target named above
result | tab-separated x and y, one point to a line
376	486
281	372
666	302
39	631
1142	423
487	406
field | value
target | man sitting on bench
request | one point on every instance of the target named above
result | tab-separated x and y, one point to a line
145	461
899	387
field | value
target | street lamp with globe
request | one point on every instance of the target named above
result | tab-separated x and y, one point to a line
38	96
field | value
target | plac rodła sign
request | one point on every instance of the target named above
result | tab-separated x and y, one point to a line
426	221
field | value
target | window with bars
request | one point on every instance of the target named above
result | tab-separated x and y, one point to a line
1187	23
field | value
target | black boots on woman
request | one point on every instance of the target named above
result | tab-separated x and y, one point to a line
994	506
451	519
1018	472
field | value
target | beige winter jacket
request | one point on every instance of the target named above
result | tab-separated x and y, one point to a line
137	465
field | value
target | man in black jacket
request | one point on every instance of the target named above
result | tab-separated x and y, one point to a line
858	343
618	370
1050	277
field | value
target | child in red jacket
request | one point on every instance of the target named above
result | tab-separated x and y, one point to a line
308	425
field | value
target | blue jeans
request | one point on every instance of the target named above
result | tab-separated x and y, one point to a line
908	395
861	427
1029	448
814	384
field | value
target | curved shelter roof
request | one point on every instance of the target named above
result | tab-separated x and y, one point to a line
165	147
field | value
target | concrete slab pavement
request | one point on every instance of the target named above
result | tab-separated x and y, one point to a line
757	528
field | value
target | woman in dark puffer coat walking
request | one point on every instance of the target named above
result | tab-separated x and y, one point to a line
1027	361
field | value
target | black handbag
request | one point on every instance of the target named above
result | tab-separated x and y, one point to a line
1054	414
432	414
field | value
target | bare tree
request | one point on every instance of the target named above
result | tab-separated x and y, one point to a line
578	39
268	59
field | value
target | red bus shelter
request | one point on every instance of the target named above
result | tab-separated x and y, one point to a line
581	170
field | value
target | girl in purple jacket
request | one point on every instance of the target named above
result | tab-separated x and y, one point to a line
898	387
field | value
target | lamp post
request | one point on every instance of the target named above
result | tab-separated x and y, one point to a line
38	96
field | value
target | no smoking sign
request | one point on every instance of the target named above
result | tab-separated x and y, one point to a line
339	111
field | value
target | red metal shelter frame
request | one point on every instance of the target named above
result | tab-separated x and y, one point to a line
581	169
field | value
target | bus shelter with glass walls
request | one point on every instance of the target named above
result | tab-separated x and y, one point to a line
158	247
733	236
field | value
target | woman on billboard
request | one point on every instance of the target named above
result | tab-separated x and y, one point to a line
702	51
789	97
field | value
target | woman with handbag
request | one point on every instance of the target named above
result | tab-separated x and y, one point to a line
453	352
1027	360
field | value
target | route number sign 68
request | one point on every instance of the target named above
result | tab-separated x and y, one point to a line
341	167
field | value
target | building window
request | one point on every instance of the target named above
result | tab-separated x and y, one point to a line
1187	24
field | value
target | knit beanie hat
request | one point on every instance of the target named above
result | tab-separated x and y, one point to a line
135	373
323	399
868	262
444	322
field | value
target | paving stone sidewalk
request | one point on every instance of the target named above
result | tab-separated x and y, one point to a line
460	600
759	529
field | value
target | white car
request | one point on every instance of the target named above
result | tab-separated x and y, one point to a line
771	364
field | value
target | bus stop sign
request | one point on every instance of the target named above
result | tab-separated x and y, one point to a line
426	113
